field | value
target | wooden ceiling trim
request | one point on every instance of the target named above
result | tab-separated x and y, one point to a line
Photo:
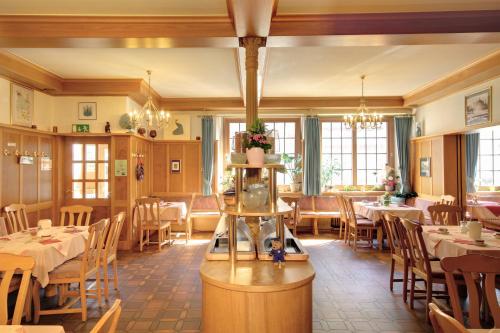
329	102
386	23
201	104
250	17
476	73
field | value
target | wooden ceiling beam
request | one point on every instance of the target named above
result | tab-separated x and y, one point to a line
476	73
116	31
251	18
201	104
329	102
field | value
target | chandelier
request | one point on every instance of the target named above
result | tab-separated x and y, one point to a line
363	118
149	114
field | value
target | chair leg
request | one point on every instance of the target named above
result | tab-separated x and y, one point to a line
140	240
106	280
160	237
346	232
147	237
36	301
405	282
115	274
27	302
412	290
83	300
316	232
391	279
340	230
98	287
428	298
355	241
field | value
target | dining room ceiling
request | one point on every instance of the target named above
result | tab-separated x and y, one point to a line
114	7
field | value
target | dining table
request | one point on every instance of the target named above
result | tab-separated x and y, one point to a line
31	329
453	243
169	211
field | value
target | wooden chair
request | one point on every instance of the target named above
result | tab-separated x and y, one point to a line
187	225
442	214
10	264
148	210
359	228
17	220
3	227
109	322
82	214
421	266
399	251
442	323
447	200
109	252
79	271
343	219
478	272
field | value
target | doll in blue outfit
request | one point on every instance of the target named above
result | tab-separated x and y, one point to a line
277	252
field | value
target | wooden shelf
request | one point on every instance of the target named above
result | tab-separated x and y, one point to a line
249	166
282	208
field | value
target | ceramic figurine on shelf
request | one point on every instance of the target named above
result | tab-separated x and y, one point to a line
107	128
277	252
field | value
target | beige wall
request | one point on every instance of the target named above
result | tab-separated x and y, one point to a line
447	114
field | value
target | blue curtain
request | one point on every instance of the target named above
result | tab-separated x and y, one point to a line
312	158
207	152
471	156
403	132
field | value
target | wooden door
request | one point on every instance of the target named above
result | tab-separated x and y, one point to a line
87	174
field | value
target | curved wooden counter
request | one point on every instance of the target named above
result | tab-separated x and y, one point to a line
256	296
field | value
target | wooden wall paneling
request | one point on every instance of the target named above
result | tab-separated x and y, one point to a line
45	176
192	168
451	164
58	185
159	168
29	172
175	151
437	166
426	182
11	141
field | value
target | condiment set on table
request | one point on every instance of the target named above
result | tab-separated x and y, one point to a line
474	230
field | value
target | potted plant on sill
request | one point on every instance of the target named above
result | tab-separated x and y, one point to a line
293	168
257	143
328	172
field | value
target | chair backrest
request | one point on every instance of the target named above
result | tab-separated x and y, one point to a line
351	214
3	227
94	245
82	214
342	209
148	210
472	266
114	231
445	214
393	234
17	220
447	200
10	264
207	203
442	323
416	246
109	322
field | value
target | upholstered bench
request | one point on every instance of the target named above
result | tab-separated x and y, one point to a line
315	208
205	213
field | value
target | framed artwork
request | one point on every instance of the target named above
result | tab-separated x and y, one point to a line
179	128
175	166
21	105
80	128
425	166
87	111
121	168
478	107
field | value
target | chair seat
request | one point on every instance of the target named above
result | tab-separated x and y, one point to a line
437	271
319	214
366	223
70	269
163	225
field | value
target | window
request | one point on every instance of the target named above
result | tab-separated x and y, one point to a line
488	173
90	171
286	135
354	155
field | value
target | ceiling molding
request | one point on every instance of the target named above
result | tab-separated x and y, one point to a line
329	102
201	104
478	72
250	17
116	31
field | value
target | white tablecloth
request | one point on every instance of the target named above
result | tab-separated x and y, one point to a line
451	245
169	211
30	329
376	213
47	256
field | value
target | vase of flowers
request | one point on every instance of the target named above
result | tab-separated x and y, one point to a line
257	143
391	180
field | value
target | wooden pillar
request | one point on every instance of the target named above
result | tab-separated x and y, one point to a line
251	45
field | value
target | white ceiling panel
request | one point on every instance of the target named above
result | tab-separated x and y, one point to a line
390	70
186	72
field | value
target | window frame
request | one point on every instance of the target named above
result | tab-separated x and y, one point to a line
487	188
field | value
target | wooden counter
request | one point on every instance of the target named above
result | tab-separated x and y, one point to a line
256	296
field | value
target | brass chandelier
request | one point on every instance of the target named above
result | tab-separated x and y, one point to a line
363	118
149	115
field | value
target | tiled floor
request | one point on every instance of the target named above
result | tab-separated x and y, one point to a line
161	292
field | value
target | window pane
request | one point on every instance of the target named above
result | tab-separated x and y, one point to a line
77	190
326	147
336	146
371	145
346	146
346	161
486	146
486	162
336	130
381	146
290	146
326	128
371	177
496	181
90	171
346	132
361	145
102	190
77	171
361	177
361	161
103	152
290	130
486	178
90	152
90	190
102	171
347	177
371	161
77	152
381	161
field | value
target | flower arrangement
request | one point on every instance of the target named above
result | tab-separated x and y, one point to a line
257	136
391	179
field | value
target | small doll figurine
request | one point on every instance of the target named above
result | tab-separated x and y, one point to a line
277	252
107	128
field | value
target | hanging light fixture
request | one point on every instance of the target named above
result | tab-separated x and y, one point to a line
149	115
363	118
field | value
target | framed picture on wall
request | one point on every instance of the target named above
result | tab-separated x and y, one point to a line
87	111
425	166
21	105
175	166
478	107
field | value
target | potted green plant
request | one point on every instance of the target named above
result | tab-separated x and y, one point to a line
328	171
293	168
257	143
